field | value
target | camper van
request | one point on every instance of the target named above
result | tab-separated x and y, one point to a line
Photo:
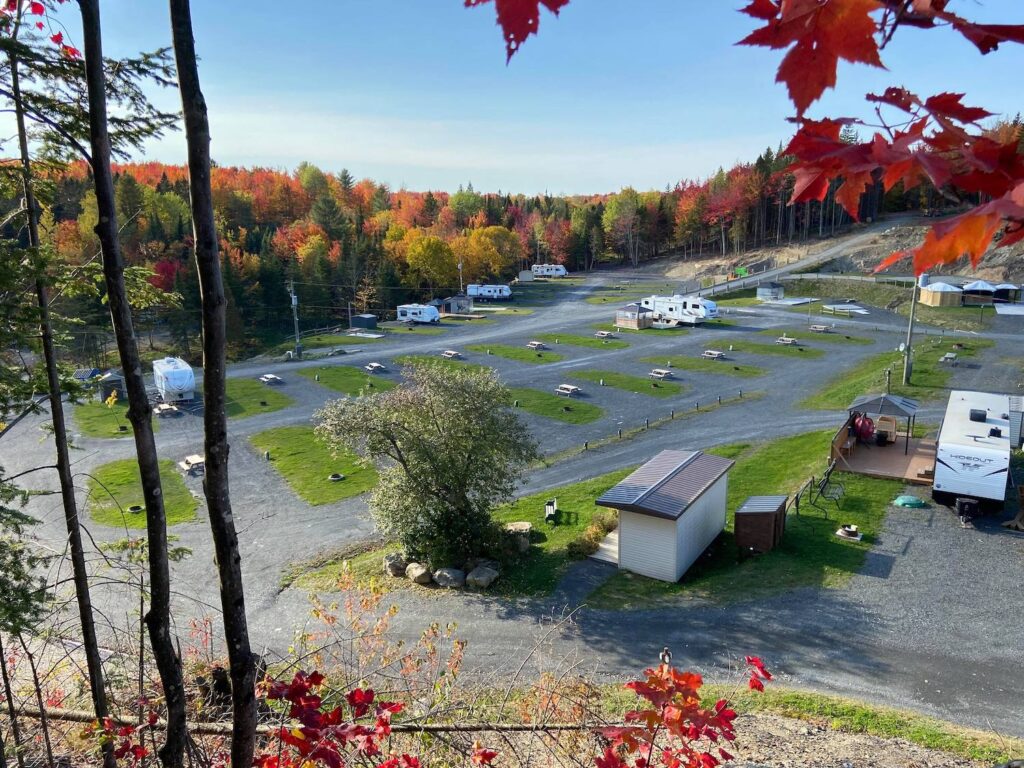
549	270
418	313
972	457
174	379
494	292
680	310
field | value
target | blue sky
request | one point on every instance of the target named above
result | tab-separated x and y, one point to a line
416	93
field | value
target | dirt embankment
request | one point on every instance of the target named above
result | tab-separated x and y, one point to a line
999	265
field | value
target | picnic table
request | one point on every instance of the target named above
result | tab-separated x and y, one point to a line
950	358
788	341
820	329
712	354
536	345
194	464
450	354
567	389
165	409
605	335
660	373
374	367
270	378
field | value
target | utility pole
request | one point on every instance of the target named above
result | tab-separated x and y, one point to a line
461	289
295	318
908	362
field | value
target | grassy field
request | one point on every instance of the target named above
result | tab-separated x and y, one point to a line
702	365
120	479
246	397
305	463
363	562
929	381
779	350
348	379
546	291
437	359
94	419
582	341
416	330
624	293
323	340
802	334
537	572
614	329
521	354
810	555
639	384
554	406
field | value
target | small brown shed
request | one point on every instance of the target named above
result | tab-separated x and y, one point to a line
760	523
634	316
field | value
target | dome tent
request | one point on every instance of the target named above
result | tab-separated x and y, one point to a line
940	295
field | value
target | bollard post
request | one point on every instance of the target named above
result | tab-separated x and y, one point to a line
741	394
266	455
719	399
696	406
620	433
602	382
586	445
488	351
672	414
647	423
317	377
515	403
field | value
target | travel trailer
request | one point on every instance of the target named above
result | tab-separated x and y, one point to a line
549	270
418	313
495	292
680	310
174	379
972	457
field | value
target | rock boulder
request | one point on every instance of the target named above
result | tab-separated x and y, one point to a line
481	577
395	564
452	578
418	573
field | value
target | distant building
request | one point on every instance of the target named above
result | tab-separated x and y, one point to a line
365	321
770	292
940	295
634	316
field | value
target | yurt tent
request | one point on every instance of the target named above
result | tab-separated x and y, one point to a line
941	295
1007	293
979	292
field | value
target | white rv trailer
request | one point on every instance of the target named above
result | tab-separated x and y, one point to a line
496	292
688	310
174	379
418	313
549	270
972	458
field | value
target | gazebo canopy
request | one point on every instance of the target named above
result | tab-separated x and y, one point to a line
885	405
980	285
1007	287
942	288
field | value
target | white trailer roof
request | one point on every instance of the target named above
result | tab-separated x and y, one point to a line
958	429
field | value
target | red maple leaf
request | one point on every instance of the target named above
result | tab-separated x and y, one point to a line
818	34
519	19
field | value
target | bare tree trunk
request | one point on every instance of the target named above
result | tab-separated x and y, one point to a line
215	484
158	619
80	574
44	723
11	710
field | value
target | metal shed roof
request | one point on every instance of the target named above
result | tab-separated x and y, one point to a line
84	374
762	504
667	484
885	405
635	307
942	288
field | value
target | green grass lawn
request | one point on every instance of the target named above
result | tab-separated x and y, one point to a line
639	384
120	479
929	381
781	350
802	334
94	419
810	554
322	340
438	360
246	397
553	406
545	291
418	329
615	329
582	341
306	462
348	379
624	293
521	354
364	563
702	365
538	570
883	295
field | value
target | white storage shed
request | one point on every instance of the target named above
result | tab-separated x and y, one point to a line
771	292
670	510
174	379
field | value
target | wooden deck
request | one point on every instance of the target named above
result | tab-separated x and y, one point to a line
890	462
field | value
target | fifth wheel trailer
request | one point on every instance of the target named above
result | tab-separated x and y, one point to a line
174	379
688	310
972	457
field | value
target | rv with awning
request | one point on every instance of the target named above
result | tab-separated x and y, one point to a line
972	458
680	310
